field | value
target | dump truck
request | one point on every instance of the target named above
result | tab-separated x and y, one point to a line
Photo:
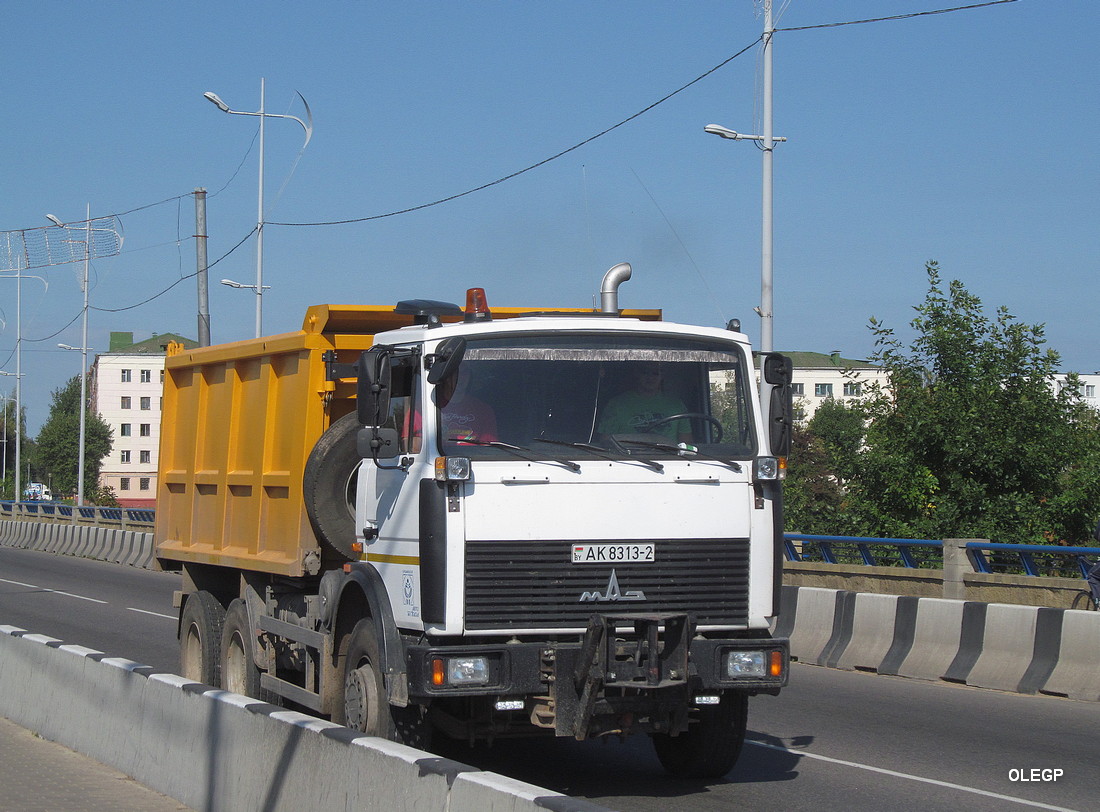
432	520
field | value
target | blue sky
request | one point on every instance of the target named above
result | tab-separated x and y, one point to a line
968	138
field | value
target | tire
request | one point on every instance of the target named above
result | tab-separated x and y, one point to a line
366	707
239	673
200	638
328	485
710	746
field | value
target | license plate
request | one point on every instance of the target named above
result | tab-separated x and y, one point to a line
613	553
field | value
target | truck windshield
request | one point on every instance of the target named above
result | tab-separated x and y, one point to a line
590	396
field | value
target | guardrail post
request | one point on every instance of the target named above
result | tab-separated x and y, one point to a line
956	566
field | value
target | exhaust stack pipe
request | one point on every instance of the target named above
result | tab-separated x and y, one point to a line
609	287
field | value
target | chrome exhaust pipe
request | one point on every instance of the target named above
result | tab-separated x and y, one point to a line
609	287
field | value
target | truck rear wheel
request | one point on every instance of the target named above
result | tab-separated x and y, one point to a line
329	485
366	706
200	638
710	746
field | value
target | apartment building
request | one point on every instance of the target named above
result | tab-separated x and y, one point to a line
818	377
126	391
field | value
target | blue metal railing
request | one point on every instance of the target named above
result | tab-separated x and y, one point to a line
83	515
986	557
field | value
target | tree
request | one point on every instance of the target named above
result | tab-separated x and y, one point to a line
971	440
812	494
59	441
840	428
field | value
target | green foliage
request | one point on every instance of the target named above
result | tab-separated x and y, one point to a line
840	428
58	441
812	495
969	440
102	496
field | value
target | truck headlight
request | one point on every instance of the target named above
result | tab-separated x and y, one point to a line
766	468
469	670
452	469
741	664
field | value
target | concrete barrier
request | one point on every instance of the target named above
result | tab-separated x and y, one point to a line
872	634
935	641
1007	646
1077	672
211	749
1023	649
817	624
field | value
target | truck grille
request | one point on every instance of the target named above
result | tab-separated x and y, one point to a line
533	584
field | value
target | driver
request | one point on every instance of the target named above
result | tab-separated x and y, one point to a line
633	411
464	416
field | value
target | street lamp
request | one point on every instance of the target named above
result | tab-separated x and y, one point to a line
83	417
767	142
18	495
83	349
4	475
308	127
229	283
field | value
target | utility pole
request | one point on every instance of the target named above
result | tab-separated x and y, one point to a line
766	141
766	314
200	261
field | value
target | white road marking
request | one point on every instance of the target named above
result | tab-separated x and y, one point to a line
154	614
54	591
923	780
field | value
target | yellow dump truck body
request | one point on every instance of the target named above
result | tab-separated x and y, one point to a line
239	423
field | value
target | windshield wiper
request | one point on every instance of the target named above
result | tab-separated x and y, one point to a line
519	451
685	450
602	452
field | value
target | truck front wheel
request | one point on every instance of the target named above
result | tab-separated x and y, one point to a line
200	638
710	746
366	706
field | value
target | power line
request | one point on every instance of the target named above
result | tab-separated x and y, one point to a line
909	16
181	279
543	162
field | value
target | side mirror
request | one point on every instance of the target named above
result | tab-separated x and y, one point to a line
777	369
377	443
446	359
373	387
780	417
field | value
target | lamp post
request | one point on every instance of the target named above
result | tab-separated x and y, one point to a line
308	127
767	143
83	351
4	475
18	495
83	417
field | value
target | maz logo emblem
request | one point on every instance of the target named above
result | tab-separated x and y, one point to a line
612	593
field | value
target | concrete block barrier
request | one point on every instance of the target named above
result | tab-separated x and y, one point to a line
1006	648
144	551
871	635
131	547
937	623
211	749
816	614
55	537
1077	672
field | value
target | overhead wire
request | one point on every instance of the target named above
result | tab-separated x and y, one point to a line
533	166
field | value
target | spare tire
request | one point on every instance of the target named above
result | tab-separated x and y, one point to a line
329	485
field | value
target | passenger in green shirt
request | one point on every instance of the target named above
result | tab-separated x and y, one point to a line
632	411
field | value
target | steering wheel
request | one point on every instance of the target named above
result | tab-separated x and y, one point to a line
685	416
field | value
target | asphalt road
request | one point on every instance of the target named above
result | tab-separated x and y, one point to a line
832	740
